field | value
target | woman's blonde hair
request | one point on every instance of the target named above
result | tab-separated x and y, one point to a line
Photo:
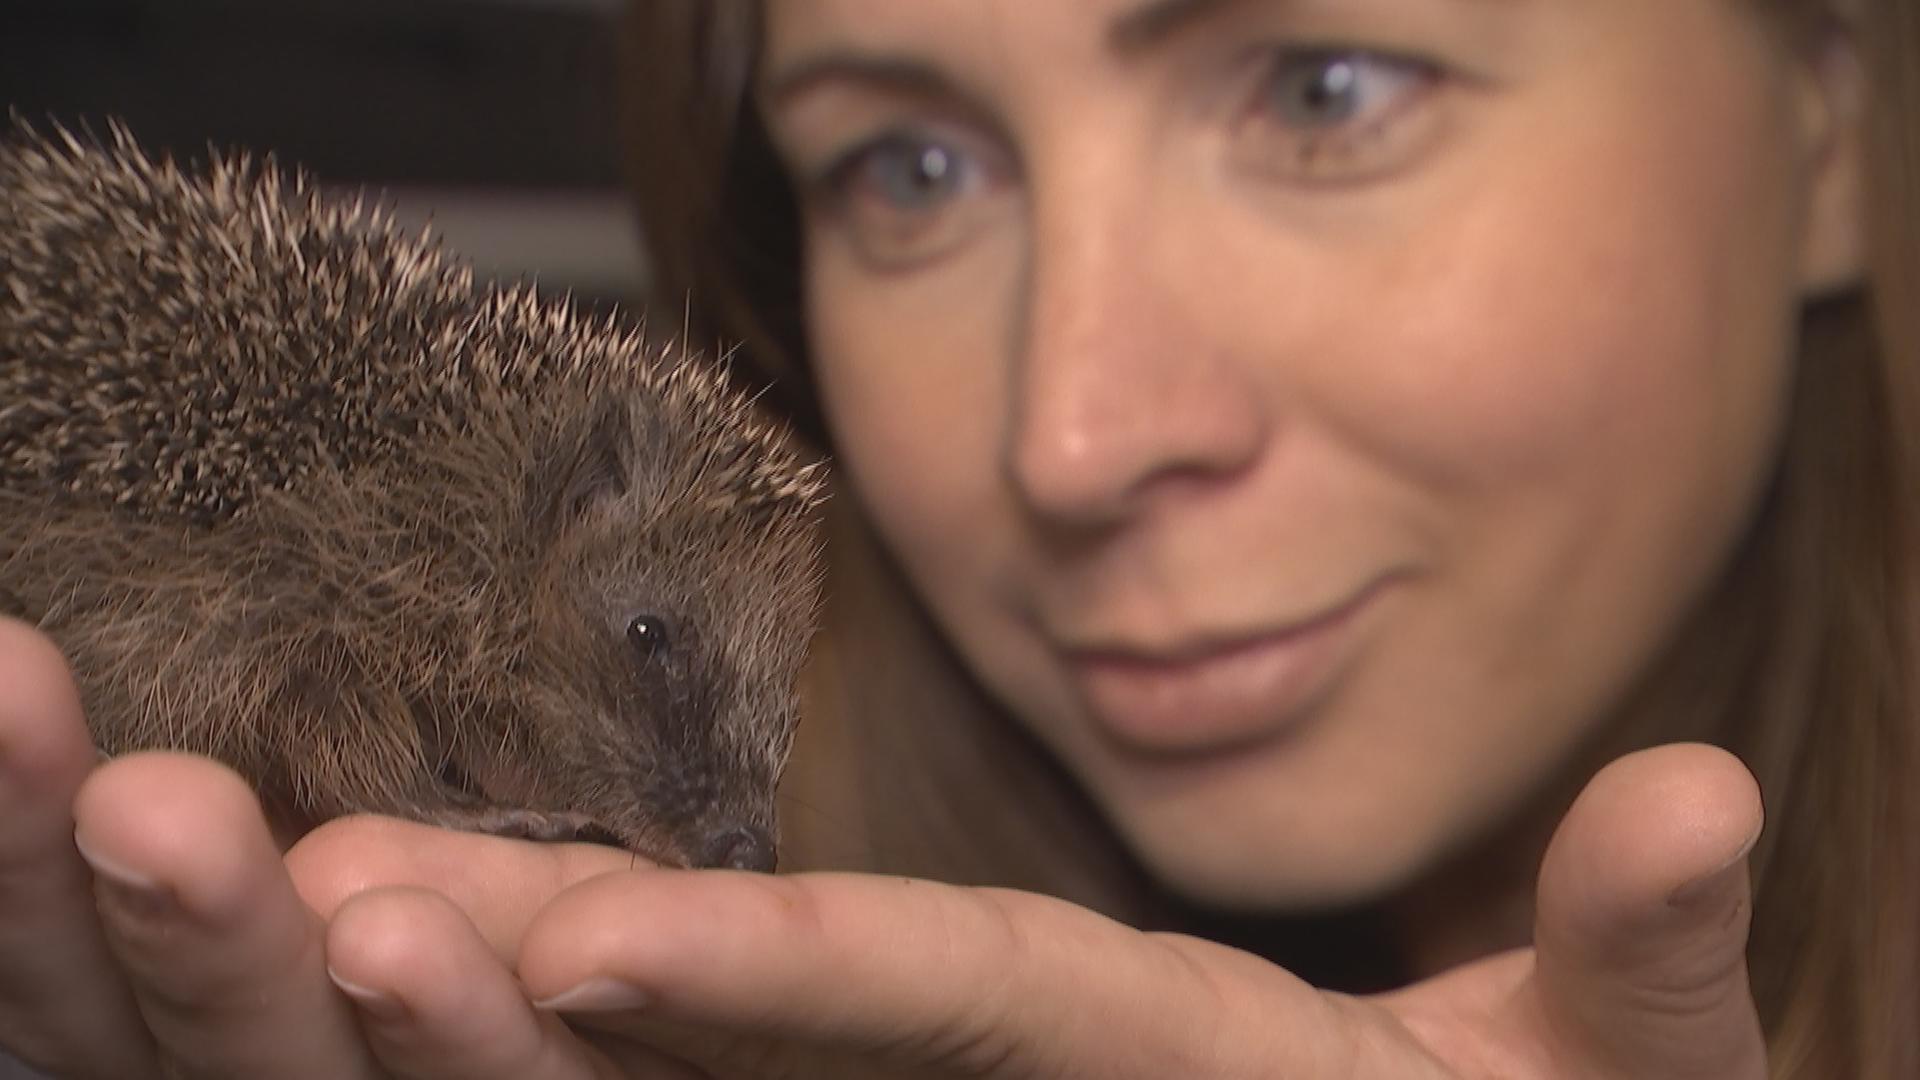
1802	661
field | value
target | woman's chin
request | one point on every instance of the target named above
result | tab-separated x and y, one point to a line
1317	864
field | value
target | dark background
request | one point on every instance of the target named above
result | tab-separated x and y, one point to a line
495	117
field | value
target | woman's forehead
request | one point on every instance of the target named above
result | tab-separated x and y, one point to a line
995	46
993	32
1121	23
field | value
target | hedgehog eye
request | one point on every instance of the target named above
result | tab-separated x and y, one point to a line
648	636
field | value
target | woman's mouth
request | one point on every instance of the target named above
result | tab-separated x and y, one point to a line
1216	693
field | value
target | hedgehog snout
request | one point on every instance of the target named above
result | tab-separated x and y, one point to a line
739	847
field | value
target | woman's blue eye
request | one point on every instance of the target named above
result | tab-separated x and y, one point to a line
904	173
913	175
1331	89
1320	93
1338	116
907	196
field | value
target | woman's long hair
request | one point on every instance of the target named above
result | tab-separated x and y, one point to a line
1803	661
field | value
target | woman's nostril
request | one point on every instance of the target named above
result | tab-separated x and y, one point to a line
743	847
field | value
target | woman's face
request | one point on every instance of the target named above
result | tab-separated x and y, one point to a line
1308	416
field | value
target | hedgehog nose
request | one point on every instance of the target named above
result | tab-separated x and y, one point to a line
744	847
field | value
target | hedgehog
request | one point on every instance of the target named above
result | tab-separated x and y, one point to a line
292	491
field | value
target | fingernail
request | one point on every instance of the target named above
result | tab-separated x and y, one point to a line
1714	882
128	890
376	1003
595	995
108	868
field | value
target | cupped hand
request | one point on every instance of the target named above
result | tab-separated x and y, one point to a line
187	939
385	948
63	1003
1638	971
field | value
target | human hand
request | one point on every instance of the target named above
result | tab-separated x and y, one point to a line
199	948
1639	972
63	1005
823	975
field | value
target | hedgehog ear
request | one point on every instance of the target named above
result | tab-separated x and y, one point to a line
582	468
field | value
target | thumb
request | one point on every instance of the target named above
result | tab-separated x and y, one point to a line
1641	925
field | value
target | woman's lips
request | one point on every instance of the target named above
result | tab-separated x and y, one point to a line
1219	694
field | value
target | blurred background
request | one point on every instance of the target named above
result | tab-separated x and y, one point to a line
495	119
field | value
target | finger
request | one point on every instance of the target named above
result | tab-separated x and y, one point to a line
498	883
438	1004
931	977
1644	906
227	964
63	1002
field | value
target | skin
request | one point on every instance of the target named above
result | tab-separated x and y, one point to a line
1202	370
437	946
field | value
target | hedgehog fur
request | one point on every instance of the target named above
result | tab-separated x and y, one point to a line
293	491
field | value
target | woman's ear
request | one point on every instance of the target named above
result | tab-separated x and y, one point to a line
1833	113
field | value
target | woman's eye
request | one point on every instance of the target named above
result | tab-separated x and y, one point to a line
1338	115
908	175
904	198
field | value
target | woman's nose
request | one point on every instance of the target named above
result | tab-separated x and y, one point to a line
1121	384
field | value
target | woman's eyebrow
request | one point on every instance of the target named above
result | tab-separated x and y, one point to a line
1153	23
1130	34
1141	29
903	77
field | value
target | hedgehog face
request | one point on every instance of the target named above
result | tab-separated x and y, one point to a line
675	699
668	623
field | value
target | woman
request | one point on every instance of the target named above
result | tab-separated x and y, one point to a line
1332	431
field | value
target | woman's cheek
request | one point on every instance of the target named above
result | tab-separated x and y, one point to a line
911	373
